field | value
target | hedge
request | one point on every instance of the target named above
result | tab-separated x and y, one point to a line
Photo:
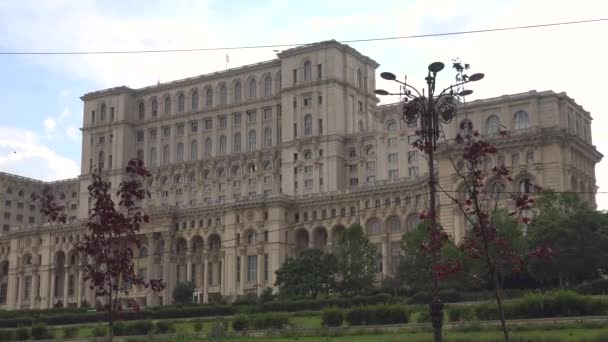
446	296
260	322
332	317
340	302
381	314
595	287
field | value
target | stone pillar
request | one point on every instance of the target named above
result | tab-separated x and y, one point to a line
51	299
189	267
34	292
11	296
79	289
150	274
205	281
19	287
44	288
242	269
66	275
166	270
260	264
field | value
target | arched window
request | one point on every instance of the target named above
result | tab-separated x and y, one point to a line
223	95
142	111
370	151
180	152
267	86
222	144
492	125
466	128
307	71
101	159
221	172
267	137
193	150
154	107
167	105
307	155
394	224
352	153
208	146
252	138
525	186
195	100
521	120
251	238
252	89
181	103
267	165
374	227
208	97
236	146
177	179
359	78
238	92
166	155
308	125
153	156
391	126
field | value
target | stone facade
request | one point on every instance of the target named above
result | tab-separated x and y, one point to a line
253	164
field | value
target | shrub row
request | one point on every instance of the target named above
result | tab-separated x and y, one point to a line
446	296
365	315
599	286
259	322
306	305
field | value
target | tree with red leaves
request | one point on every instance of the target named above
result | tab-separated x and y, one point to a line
108	246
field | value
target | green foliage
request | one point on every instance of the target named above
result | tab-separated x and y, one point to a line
140	327
7	335
577	234
595	287
343	302
198	326
70	332
99	330
446	296
459	313
119	329
381	314
164	327
332	317
22	333
182	293
240	323
357	260
40	331
269	321
312	272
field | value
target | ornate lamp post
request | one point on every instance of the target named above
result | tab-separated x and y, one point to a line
432	110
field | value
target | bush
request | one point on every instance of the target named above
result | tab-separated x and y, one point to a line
459	313
390	314
164	327
70	332
596	287
332	317
446	296
182	293
269	321
7	335
40	331
99	331
360	316
140	328
198	326
120	329
240	323
22	333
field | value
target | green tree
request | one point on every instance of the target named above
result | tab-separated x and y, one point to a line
313	272
357	261
577	234
182	293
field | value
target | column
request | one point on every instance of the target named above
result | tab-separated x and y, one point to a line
79	289
19	287
51	299
66	275
44	288
34	291
205	281
242	269
260	264
166	270
150	274
189	267
12	288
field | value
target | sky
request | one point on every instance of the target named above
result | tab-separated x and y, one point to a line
41	113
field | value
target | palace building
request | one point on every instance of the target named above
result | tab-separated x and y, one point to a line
253	164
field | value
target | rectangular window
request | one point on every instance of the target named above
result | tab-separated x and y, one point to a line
28	288
223	122
319	71
236	119
360	106
353	168
393	174
266	266
267	179
413	171
140	136
166	132
180	130
392	157
412	156
208	124
354	181
295	76
411	139
153	134
194	127
371	179
320	126
307	101
308	169
267	114
252	268
252	181
111	113
238	267
295	130
7	203
251	116
320	99
308	183
392	142
371	165
102	139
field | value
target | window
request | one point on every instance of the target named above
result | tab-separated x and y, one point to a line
140	136
295	76
194	100
166	131
236	117
236	146
466	128
251	117
392	157
266	263
181	103
371	165
208	146
394	225
308	183
166	155
393	174
222	144
413	171
238	90
307	71
223	122
392	142
251	238
374	227
267	114
180	130
252	140
167	105
152	156
529	157
525	186
307	101
209	97
100	160
354	181
93	116
267	137
111	113
252	89
371	179
7	203
360	107
142	111
515	159
180	152
320	126
208	124
411	139
194	127
103	112
267	86
308	125
153	134
352	168
359	78
223	95
308	169
252	268
412	156
267	179
492	125
154	107
319	71
521	120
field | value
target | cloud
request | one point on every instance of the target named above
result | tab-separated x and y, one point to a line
73	133
22	153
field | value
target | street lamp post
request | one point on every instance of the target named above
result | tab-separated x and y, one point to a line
432	110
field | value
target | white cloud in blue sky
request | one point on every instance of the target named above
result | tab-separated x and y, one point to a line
39	94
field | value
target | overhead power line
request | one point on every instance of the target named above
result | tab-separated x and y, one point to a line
441	34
